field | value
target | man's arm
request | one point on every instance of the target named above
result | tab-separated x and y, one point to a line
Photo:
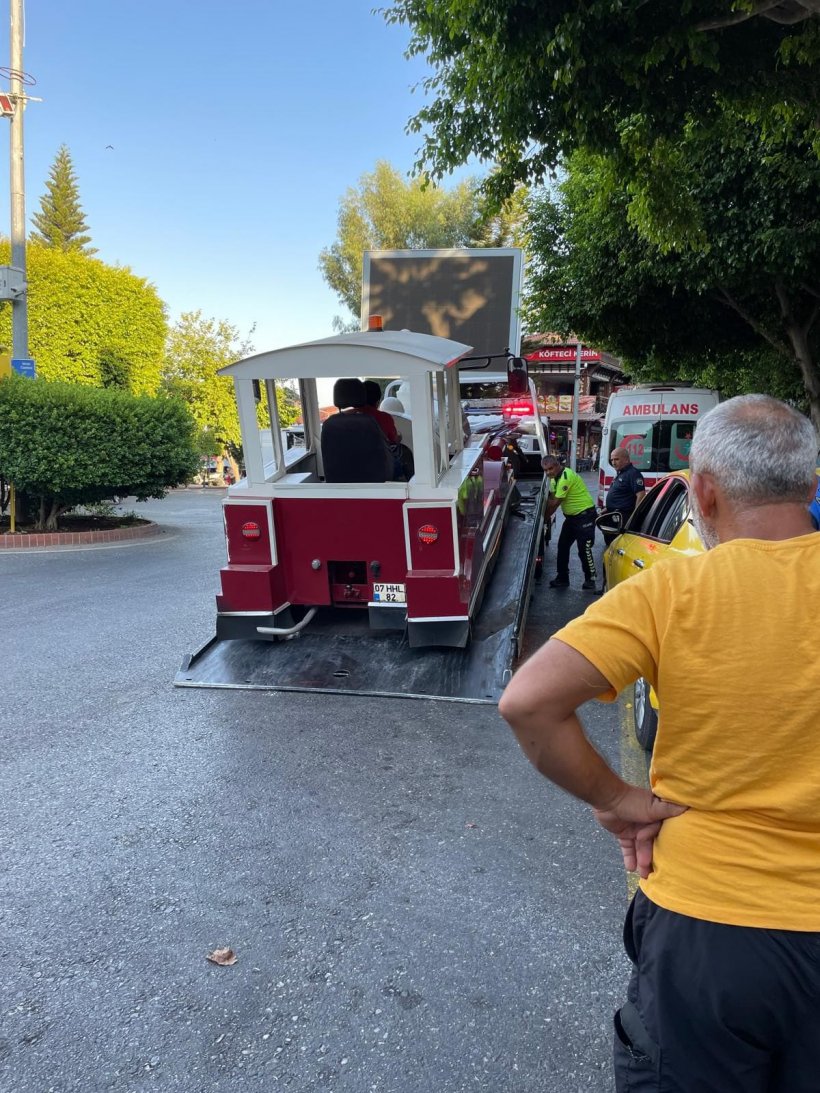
540	704
552	505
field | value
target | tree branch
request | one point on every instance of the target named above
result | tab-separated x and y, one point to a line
723	297
779	11
795	330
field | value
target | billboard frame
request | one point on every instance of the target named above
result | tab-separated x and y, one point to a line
513	342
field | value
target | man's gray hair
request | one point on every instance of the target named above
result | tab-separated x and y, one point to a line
757	449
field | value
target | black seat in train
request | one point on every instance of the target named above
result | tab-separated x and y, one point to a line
354	448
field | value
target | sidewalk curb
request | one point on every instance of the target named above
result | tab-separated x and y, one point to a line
38	539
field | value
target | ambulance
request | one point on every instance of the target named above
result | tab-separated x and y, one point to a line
655	423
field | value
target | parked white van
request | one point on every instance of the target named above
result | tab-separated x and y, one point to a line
655	423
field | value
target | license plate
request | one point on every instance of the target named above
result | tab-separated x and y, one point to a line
389	593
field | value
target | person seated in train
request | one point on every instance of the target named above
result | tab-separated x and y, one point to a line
354	447
373	394
394	407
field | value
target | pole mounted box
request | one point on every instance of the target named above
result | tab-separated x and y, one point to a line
12	283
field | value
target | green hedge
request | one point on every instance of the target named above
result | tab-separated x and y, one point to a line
67	445
83	313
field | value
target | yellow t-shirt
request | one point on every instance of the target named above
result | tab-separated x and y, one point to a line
731	642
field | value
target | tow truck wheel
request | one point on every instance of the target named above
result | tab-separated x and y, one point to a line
646	718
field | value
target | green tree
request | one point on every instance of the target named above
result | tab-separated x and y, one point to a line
115	369
506	225
741	310
61	221
522	83
557	75
385	211
196	349
83	314
67	444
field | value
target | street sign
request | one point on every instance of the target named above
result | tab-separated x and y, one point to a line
6	106
23	366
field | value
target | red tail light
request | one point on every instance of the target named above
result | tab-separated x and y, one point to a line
427	533
518	409
251	530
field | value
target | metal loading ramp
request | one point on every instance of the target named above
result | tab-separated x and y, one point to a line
339	654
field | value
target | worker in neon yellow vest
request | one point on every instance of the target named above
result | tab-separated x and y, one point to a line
568	491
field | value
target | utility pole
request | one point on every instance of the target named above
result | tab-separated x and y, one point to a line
576	398
19	305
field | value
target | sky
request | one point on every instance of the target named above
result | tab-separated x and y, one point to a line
236	127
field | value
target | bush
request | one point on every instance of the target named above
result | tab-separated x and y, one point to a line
66	445
87	319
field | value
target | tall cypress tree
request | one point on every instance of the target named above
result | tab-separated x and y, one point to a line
61	222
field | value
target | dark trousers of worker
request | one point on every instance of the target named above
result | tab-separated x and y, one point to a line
579	529
717	1009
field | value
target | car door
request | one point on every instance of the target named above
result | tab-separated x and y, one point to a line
653	529
620	556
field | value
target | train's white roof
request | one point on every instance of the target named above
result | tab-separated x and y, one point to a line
386	353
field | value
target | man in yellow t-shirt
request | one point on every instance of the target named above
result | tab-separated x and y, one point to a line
725	928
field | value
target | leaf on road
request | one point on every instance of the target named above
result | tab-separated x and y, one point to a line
223	957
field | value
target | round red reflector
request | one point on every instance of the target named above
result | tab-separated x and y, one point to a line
428	533
251	530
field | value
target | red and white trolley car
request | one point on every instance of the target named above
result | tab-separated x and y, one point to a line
334	529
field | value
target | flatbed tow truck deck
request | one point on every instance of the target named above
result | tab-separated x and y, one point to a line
340	654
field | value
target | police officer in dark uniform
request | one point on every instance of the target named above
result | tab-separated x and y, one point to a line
627	489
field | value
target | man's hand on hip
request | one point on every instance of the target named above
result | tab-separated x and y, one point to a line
635	818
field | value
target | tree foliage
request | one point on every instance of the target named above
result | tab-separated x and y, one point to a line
61	223
741	309
384	211
522	83
84	314
195	351
68	444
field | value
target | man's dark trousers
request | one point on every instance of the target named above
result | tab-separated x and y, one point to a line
579	529
717	1009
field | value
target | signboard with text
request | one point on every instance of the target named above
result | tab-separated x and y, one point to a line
565	353
23	366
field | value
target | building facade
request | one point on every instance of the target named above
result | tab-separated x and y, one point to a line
551	365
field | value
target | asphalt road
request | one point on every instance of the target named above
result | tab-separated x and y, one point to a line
412	907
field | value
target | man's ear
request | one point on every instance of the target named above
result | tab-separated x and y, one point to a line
704	489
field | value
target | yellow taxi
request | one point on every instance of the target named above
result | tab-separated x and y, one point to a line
660	527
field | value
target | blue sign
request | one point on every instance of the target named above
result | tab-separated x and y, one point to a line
23	366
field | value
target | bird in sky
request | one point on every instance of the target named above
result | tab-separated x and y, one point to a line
111	146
